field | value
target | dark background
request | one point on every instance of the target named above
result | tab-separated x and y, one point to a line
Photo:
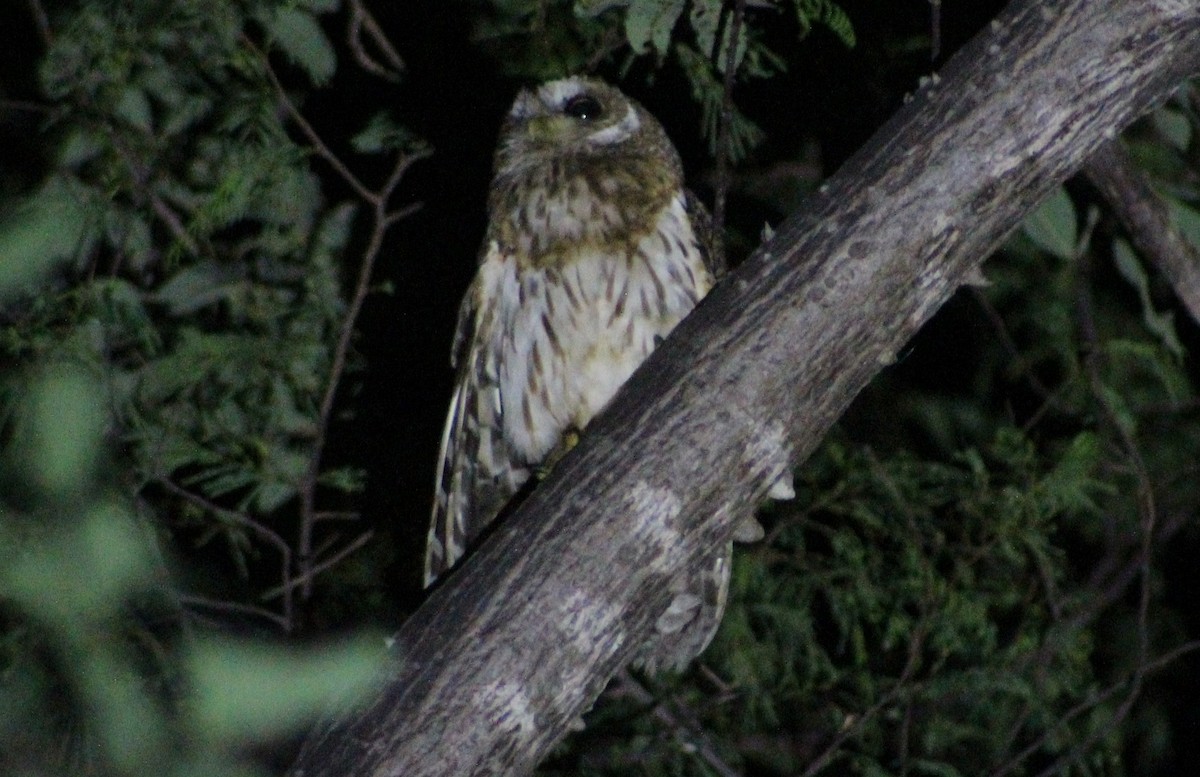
454	95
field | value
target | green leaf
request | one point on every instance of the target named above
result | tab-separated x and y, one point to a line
198	286
298	34
705	20
349	480
44	231
1174	126
651	21
247	692
827	13
1160	323
56	440
1054	226
134	108
79	147
383	133
1186	219
108	560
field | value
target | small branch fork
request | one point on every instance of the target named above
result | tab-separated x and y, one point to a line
383	217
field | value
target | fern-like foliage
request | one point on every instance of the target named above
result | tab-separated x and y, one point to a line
174	293
201	280
626	30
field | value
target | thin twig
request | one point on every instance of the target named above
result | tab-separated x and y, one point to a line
935	29
361	19
174	224
235	607
688	734
264	532
725	127
42	21
317	569
310	134
1141	566
613	40
898	690
336	515
1008	344
1147	514
25	106
383	219
143	191
1090	703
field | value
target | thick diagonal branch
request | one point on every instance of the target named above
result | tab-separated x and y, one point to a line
491	671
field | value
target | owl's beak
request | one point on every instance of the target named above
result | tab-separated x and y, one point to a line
547	128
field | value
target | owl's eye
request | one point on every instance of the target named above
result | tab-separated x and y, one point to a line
583	106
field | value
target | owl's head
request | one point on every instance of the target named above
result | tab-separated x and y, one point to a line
576	119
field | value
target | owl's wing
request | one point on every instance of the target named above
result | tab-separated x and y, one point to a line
476	474
712	246
689	623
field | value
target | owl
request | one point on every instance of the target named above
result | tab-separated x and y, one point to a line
594	251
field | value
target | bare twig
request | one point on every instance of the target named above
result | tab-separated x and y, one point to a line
235	607
25	106
1147	513
143	191
688	733
316	569
935	29
1009	345
42	20
362	20
724	129
265	533
1138	567
613	40
1144	670
901	688
310	134
174	223
336	515
382	219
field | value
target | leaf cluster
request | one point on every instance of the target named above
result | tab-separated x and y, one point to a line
173	300
99	671
695	36
196	264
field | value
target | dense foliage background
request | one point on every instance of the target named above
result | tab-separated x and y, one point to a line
233	235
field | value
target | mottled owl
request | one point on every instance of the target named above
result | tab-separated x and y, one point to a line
594	251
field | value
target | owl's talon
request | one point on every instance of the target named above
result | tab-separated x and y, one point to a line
568	440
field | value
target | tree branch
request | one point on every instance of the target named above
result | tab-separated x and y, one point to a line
492	670
1147	219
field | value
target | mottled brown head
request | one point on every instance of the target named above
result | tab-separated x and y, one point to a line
580	119
579	164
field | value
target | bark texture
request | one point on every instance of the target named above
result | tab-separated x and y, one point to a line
490	672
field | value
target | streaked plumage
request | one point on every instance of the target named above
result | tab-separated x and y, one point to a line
594	252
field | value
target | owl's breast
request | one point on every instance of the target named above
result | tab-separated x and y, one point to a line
576	329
